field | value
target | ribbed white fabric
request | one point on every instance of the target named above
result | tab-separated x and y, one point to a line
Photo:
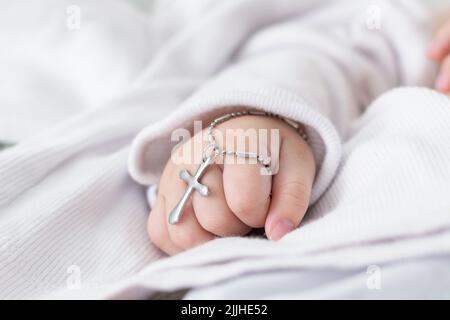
66	198
278	70
389	202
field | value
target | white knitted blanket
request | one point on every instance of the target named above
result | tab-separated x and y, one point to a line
72	211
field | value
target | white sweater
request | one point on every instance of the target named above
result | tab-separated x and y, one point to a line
71	217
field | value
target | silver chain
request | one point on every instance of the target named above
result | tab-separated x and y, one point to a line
213	150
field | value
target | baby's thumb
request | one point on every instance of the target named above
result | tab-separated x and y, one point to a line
291	188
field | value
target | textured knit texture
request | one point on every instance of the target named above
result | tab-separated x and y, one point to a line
71	215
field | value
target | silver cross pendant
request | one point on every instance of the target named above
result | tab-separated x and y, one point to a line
192	184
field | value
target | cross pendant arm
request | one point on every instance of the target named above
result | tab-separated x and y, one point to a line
192	184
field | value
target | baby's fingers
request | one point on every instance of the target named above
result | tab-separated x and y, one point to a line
291	188
440	46
188	232
212	211
247	191
157	228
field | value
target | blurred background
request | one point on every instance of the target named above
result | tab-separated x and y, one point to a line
57	54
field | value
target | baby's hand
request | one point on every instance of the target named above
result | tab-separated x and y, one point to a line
439	50
240	197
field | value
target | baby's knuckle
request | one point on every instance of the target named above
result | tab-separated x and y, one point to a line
242	204
250	212
156	235
221	226
184	238
296	194
213	224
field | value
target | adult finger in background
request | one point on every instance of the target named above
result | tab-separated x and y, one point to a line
439	47
443	80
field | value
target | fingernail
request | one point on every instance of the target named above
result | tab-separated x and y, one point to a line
283	227
443	82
